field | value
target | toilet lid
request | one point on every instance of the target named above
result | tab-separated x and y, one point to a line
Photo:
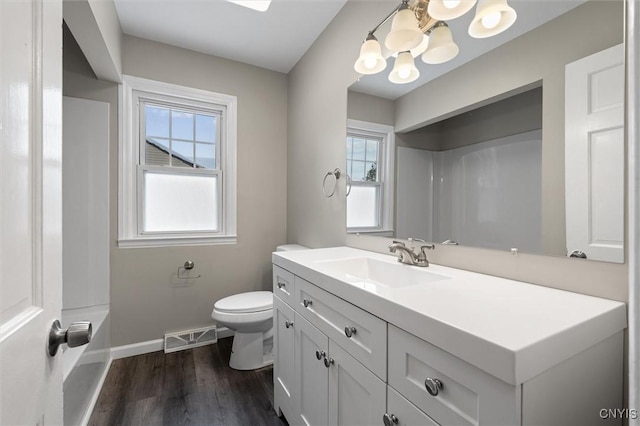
253	301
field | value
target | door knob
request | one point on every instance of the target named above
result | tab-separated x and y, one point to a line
579	254
320	354
288	324
307	302
328	362
78	334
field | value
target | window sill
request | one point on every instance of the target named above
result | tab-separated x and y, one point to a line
379	232
165	241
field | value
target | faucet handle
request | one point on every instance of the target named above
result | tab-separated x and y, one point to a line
393	245
412	240
422	256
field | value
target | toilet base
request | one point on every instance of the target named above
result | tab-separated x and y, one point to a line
249	352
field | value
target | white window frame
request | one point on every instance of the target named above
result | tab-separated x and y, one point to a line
384	171
130	168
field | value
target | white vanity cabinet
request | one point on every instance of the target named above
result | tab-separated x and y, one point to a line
466	349
316	381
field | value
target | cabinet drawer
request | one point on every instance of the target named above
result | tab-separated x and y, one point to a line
333	315
283	285
405	412
468	396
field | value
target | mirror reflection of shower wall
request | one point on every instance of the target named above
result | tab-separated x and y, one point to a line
481	174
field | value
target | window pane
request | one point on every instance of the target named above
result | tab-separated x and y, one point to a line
362	207
180	203
372	150
205	128
358	149
358	170
182	154
349	147
157	121
206	155
181	125
156	152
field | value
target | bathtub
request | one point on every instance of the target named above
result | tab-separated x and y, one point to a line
85	367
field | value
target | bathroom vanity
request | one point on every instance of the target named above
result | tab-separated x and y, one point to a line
363	340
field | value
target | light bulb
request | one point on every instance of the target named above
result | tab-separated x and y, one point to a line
450	4
370	63
491	20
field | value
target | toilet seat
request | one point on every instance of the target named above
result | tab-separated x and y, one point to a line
250	302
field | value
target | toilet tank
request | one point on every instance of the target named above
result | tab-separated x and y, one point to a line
291	247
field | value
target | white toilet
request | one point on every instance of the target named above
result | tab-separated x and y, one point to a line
250	315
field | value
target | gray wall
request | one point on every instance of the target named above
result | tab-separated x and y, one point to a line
317	124
316	134
370	108
144	302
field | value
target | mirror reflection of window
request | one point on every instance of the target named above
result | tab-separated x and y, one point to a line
369	161
363	157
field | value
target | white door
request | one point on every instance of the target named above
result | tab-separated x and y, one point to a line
313	377
30	210
356	395
594	155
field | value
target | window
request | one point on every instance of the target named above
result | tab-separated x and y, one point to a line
369	161
177	165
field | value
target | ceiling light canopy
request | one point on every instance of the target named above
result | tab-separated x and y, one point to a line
420	28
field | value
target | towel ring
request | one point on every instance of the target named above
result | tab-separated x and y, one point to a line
348	178
336	174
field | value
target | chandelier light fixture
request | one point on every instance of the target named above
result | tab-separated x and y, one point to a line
421	29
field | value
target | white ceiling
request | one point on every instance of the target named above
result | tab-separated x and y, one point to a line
275	39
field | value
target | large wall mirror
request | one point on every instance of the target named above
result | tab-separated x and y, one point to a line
515	145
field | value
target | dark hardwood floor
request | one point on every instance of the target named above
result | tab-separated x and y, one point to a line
191	387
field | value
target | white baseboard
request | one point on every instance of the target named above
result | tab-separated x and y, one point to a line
153	346
96	394
137	349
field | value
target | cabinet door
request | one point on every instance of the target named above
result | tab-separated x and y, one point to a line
356	395
312	377
284	359
403	413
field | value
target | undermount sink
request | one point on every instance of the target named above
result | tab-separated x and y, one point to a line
368	272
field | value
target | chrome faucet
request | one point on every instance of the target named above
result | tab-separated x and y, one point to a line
407	256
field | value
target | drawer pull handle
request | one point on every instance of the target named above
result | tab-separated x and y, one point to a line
349	331
306	303
433	386
389	419
328	362
288	324
281	284
320	354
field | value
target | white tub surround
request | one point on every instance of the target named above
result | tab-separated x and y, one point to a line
85	367
519	353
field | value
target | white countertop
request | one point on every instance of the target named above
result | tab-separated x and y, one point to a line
511	329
